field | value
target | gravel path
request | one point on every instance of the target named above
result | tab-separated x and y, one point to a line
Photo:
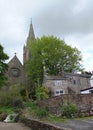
13	126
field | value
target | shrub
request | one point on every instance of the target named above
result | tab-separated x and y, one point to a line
31	104
35	110
41	112
5	99
8	98
69	110
17	103
42	92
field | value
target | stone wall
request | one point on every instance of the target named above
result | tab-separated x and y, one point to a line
83	101
40	125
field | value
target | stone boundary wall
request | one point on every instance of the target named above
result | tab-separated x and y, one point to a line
83	101
40	125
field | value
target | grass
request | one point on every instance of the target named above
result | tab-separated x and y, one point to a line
55	119
8	110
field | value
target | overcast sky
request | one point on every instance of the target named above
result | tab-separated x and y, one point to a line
71	20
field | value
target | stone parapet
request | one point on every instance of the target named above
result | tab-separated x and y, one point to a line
40	125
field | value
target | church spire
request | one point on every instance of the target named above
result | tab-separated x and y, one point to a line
30	39
31	35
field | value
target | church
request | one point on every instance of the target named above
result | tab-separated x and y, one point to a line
58	85
16	70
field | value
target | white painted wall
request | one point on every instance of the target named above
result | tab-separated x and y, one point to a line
91	81
85	92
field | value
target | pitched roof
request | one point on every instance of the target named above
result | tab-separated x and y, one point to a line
15	62
91	88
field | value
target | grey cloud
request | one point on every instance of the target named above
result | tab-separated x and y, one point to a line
68	19
59	18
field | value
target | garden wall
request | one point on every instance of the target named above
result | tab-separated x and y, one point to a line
83	101
39	125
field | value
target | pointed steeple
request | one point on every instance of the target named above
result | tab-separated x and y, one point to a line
30	39
31	35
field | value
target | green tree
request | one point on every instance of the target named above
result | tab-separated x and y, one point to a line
53	55
3	66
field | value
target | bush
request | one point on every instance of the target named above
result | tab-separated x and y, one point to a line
69	110
31	104
41	112
18	103
42	92
8	98
35	110
5	99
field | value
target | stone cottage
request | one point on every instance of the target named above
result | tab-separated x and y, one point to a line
68	83
63	84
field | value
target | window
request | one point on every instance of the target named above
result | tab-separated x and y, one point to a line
58	82
59	92
91	91
14	72
74	81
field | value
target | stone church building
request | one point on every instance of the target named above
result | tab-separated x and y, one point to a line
16	70
70	83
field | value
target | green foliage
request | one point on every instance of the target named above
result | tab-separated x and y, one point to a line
8	110
69	110
24	92
35	66
58	56
7	98
31	104
55	119
35	110
28	93
3	66
41	112
54	55
42	92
